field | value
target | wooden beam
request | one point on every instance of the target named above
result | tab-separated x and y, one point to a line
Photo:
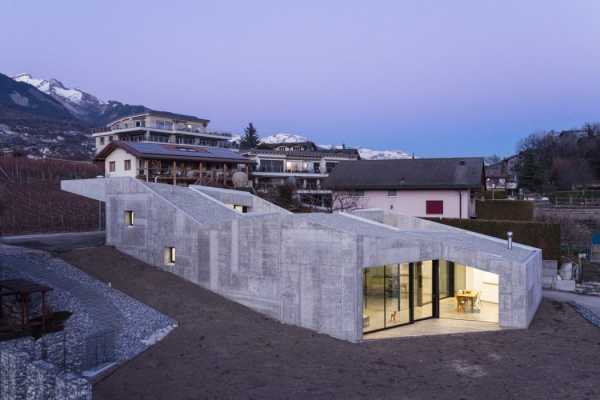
174	172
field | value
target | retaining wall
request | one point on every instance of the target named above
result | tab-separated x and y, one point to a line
37	370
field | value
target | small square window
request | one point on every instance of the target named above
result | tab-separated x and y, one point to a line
434	207
170	256
392	193
112	165
127	165
240	209
129	218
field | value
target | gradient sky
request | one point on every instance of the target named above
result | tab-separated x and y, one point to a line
437	78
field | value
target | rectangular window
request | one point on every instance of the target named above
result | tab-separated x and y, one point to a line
170	256
392	193
359	193
434	207
112	166
110	138
129	218
127	165
240	209
102	140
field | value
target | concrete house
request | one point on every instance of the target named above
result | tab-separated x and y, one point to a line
341	274
422	187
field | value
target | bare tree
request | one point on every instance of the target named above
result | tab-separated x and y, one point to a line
344	201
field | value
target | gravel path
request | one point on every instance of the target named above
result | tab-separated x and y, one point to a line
95	306
222	350
590	302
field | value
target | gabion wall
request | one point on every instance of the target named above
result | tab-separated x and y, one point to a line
41	370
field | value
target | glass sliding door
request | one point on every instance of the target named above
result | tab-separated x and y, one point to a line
399	294
374	299
396	295
423	290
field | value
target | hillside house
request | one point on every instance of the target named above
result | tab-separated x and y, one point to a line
302	163
167	147
503	175
422	187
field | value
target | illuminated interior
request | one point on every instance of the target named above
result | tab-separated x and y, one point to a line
399	294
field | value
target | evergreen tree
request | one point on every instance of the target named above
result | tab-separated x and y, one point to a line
250	138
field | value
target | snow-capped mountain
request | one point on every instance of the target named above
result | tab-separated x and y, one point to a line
284	138
365	153
370	154
81	104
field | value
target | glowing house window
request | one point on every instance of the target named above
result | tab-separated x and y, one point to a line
239	208
170	256
129	218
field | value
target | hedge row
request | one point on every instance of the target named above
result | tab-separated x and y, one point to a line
537	234
512	210
496	194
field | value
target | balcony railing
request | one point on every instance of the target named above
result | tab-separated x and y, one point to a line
288	171
164	128
210	177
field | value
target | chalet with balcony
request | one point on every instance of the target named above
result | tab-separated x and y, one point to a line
503	175
304	164
170	148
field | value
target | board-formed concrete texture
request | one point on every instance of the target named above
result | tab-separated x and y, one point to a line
301	269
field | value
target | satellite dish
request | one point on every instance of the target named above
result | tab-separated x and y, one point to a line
240	179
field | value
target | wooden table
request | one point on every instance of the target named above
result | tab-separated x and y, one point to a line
466	296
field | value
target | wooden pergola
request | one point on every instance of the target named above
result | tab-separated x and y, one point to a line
22	290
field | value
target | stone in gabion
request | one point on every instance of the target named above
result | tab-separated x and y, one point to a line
41	379
70	386
13	374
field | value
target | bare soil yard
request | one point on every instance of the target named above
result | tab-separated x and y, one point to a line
223	350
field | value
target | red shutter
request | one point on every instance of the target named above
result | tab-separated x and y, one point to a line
434	207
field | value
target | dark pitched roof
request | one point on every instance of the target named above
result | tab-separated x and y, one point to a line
174	152
420	173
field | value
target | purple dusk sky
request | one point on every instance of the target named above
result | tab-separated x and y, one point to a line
438	78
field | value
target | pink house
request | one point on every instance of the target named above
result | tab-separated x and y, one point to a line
423	187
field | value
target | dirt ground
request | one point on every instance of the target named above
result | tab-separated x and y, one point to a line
223	350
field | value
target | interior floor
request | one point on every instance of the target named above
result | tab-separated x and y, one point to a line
488	312
444	326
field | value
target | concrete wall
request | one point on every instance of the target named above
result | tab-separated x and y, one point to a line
412	202
230	197
295	272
